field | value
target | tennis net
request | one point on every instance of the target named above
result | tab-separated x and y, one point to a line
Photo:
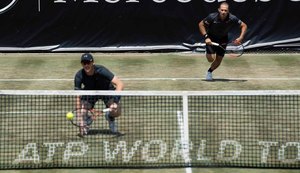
156	129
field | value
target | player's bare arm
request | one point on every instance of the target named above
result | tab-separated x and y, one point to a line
78	104
243	27
117	83
204	33
116	108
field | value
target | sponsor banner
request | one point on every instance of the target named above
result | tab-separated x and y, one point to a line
85	24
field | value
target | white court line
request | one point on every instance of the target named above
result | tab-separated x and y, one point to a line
223	78
158	79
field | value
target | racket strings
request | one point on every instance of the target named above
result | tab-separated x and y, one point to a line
235	50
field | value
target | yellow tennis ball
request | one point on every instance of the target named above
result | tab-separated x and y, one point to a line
70	116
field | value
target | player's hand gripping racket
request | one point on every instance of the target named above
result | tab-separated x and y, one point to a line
233	50
85	117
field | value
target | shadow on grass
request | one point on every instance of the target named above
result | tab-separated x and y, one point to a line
104	132
225	80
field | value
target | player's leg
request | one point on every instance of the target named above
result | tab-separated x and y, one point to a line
114	104
219	54
216	63
219	57
87	103
210	53
211	57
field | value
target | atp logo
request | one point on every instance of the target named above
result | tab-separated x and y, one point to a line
5	5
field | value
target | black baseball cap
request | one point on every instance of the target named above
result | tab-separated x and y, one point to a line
87	57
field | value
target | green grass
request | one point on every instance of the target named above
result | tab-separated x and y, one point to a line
258	72
181	72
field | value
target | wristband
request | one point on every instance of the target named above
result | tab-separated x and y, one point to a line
206	36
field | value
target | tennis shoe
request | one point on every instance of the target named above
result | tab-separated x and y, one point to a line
111	123
209	76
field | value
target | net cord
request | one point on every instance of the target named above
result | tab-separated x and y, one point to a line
150	93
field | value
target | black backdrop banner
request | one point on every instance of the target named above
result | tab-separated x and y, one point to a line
66	25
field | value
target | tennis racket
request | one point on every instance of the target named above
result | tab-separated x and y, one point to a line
85	117
232	49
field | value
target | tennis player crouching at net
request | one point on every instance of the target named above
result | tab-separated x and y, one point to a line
98	77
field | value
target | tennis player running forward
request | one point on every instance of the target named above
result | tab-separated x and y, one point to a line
98	77
215	28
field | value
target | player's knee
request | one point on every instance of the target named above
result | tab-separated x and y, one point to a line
210	58
115	114
116	110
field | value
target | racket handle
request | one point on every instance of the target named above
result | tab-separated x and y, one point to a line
215	44
106	110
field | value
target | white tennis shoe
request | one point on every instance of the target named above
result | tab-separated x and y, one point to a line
209	76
